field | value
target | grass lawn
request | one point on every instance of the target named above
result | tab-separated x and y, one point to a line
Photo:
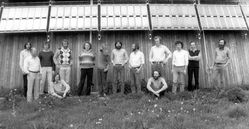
204	109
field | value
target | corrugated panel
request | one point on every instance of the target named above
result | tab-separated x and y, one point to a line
124	17
73	18
221	17
245	9
173	17
24	19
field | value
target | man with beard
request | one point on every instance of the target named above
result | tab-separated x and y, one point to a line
159	55
23	55
119	58
63	60
222	59
157	84
136	62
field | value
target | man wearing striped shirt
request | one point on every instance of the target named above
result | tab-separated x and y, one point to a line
87	62
179	67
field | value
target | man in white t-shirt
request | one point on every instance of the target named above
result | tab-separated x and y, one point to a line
159	55
179	67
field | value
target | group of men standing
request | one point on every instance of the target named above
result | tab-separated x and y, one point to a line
38	68
184	63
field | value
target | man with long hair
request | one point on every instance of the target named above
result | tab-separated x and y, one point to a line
87	62
119	58
23	55
157	84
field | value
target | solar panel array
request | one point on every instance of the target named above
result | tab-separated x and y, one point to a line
24	19
173	17
221	17
73	18
123	17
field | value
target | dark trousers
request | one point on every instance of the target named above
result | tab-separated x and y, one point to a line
102	77
25	84
191	72
85	73
118	76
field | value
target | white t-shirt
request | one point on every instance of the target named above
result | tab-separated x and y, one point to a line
180	58
158	54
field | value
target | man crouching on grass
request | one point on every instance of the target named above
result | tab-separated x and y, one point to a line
157	84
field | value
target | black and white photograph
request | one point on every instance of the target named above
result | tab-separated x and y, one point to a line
124	64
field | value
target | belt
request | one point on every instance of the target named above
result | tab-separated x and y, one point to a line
34	71
118	64
157	62
136	67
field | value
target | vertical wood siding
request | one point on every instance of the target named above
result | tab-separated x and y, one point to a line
238	72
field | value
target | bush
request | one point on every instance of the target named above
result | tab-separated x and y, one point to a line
236	95
236	112
245	87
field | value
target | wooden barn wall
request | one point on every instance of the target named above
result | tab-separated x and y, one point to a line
237	71
12	44
141	37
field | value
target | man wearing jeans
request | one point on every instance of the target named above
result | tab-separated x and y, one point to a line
159	56
23	55
63	60
119	58
47	67
179	67
222	59
32	68
103	60
136	62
